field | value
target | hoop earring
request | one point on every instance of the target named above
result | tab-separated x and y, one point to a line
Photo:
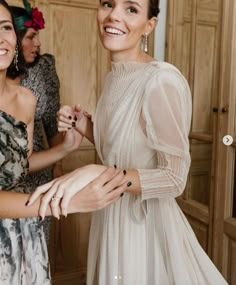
16	58
146	42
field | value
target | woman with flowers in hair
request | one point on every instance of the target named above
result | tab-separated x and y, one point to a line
41	78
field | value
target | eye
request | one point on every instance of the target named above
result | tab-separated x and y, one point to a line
106	4
7	28
132	10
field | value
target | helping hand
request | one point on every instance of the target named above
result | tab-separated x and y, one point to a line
96	186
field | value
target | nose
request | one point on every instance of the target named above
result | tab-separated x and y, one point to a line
115	14
37	42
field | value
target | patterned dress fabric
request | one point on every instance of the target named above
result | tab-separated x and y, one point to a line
43	81
142	122
23	249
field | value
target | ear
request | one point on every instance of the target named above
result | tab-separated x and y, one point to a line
151	24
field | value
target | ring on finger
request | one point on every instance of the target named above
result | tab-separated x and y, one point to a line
55	198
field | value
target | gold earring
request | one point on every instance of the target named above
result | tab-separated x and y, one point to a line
146	42
16	58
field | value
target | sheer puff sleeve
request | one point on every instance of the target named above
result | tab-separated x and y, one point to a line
167	116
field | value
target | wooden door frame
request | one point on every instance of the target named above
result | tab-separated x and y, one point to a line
225	155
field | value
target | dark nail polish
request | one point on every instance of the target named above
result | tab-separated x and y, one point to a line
122	194
40	218
27	203
73	124
69	128
75	118
69	117
124	171
129	183
115	166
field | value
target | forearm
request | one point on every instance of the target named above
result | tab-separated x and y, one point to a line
89	131
12	205
85	127
46	158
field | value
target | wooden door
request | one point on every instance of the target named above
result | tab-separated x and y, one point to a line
71	35
224	218
201	41
193	45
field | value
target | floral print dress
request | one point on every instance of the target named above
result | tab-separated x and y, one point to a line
23	252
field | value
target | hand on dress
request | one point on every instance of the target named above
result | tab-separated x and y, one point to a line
95	186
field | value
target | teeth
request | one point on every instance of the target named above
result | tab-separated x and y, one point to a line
114	31
3	52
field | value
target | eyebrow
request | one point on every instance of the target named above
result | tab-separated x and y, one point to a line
5	21
133	3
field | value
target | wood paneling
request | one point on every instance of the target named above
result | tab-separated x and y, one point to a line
201	41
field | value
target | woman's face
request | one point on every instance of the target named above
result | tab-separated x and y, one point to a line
7	39
122	24
30	45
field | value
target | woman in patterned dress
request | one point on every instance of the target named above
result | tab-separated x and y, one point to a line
141	124
41	78
23	250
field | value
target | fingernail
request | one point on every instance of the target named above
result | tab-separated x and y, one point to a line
129	183
69	128
122	194
73	124
69	117
40	219
115	166
75	118
27	203
124	171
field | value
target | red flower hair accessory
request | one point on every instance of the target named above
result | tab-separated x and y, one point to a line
37	21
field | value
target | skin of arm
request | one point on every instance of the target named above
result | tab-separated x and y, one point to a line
42	159
12	205
57	167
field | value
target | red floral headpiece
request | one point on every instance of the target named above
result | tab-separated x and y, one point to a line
37	21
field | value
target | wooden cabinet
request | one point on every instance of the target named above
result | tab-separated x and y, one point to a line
71	35
201	42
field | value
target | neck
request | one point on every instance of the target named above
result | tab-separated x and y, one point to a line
3	83
138	56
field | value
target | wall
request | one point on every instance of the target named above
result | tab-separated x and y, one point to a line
159	49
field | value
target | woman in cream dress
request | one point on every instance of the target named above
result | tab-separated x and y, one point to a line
141	125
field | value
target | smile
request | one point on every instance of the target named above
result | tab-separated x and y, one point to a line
114	31
3	51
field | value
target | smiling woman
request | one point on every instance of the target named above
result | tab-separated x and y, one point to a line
141	124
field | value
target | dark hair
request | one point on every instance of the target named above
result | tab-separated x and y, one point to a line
154	8
21	12
12	72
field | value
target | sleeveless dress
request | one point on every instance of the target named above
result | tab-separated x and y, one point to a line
23	249
41	78
142	122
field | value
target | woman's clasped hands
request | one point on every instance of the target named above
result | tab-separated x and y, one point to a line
85	189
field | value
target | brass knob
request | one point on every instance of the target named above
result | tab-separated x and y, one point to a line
225	109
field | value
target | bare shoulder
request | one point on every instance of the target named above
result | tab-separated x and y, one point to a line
24	102
26	96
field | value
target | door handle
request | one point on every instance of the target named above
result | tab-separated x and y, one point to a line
225	109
